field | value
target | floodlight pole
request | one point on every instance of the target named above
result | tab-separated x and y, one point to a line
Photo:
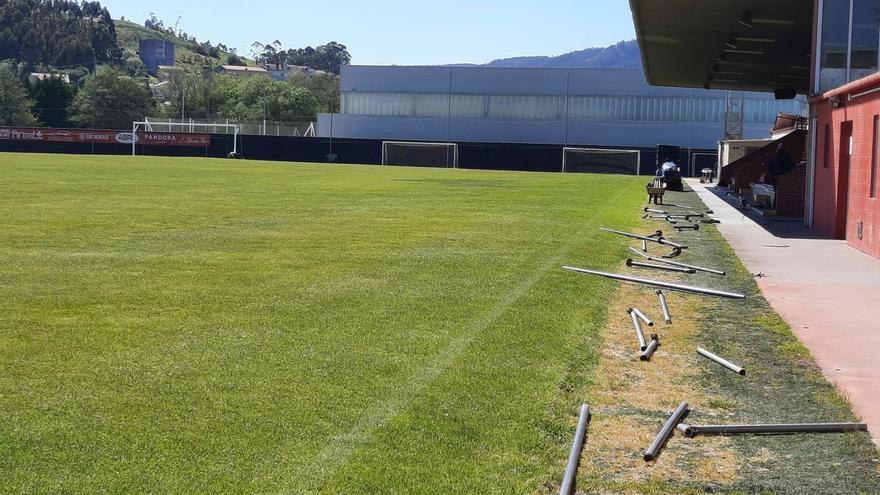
565	102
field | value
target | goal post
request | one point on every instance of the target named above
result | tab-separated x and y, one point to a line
601	160
419	154
147	126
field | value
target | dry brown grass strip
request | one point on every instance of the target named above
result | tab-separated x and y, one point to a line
632	399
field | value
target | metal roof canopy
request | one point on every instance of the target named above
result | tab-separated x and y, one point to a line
753	45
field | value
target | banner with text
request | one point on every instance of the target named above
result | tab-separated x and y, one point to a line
104	137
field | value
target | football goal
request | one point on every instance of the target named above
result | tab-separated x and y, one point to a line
601	161
420	154
175	134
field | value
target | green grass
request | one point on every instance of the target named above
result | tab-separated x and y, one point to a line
785	386
190	325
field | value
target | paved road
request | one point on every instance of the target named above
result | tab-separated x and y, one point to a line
828	292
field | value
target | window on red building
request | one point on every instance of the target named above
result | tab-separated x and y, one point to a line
864	39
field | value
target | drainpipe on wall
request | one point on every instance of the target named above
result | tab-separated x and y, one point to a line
811	169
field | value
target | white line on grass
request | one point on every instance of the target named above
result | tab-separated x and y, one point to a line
341	447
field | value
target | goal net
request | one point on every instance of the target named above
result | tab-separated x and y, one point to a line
420	154
183	134
601	161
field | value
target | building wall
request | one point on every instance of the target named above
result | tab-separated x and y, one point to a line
861	207
556	132
791	193
540	106
154	53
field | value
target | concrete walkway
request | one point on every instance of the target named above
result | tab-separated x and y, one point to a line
827	291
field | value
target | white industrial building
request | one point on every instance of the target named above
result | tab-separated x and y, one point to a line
568	107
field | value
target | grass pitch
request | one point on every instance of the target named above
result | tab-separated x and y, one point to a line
186	325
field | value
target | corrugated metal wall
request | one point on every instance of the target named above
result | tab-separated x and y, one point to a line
597	108
528	105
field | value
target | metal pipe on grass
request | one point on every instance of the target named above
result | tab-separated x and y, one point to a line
677	416
658	240
652	347
658	283
675	253
693	430
631	263
675	263
642	317
655	210
678	206
665	307
720	360
638	328
576	448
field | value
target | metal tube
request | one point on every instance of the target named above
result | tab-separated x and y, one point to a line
678	206
665	307
685	265
642	317
693	430
633	236
647	353
658	283
644	246
723	362
675	263
638	328
630	262
654	210
636	251
674	254
574	457
676	417
658	240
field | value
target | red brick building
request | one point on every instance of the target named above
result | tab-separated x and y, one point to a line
826	49
845	199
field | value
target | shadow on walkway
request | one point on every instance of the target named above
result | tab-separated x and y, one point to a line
782	227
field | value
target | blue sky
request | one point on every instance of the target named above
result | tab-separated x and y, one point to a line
400	32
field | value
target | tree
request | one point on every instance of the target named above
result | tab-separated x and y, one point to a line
52	97
325	88
135	66
258	98
15	106
191	94
269	53
57	32
330	57
333	56
110	100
